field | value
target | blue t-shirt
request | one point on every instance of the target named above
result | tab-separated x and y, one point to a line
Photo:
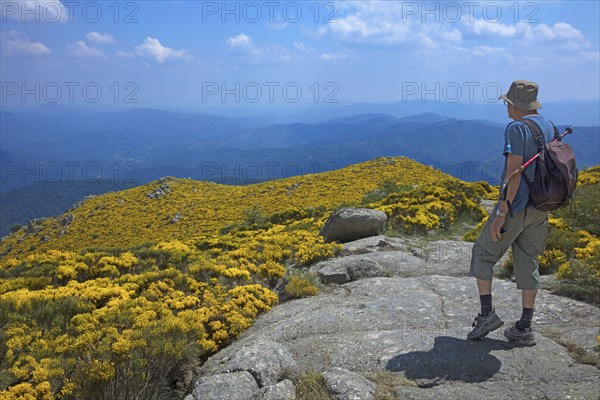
519	140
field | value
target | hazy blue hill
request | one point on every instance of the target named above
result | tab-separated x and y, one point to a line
424	118
573	112
44	199
360	118
137	146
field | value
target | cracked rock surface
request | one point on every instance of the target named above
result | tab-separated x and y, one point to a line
412	322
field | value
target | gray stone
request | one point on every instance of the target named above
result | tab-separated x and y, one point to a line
284	390
350	224
373	243
348	385
266	360
411	325
345	269
233	386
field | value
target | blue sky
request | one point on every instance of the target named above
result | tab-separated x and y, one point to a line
195	55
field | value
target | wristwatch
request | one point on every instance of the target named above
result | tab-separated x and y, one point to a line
499	213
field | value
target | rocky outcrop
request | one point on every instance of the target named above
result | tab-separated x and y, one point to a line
410	325
350	224
266	363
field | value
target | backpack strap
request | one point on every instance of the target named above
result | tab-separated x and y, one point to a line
556	132
540	140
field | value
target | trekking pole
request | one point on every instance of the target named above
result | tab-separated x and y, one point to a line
502	196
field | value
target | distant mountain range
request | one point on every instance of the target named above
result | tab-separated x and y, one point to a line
117	149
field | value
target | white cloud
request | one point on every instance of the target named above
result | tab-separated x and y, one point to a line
243	45
81	50
334	56
34	11
15	42
386	23
154	49
240	40
481	27
559	34
299	46
100	38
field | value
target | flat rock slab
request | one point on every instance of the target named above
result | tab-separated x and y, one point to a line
403	307
368	257
416	327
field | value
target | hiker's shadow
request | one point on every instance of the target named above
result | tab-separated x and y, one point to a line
450	359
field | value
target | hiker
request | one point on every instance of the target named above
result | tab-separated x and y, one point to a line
525	231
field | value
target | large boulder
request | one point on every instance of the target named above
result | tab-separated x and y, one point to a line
349	224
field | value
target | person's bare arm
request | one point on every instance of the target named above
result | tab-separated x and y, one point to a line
512	163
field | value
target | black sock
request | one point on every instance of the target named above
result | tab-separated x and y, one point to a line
526	317
486	304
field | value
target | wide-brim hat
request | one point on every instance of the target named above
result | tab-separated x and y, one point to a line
523	95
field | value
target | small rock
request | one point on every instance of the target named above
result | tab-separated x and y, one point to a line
233	386
337	274
346	269
284	390
176	218
67	219
348	385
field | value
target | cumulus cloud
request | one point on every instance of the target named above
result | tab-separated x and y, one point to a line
386	23
299	46
560	33
100	38
481	27
15	42
240	40
154	49
245	47
81	50
340	56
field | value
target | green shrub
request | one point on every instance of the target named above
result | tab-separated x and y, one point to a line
311	386
584	213
254	216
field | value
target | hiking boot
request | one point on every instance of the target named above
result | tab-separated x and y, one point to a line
523	337
484	325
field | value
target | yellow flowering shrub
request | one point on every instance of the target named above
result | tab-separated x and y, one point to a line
206	207
432	206
551	260
101	312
